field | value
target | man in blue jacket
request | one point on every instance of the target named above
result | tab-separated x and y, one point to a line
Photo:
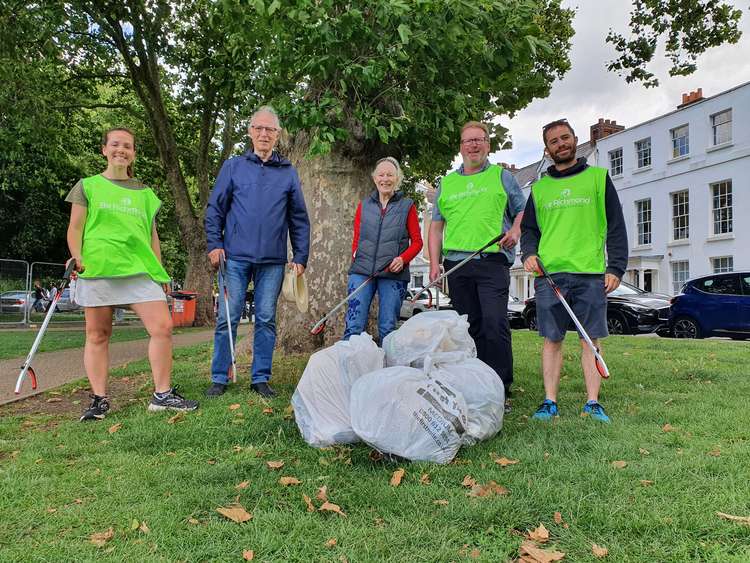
256	201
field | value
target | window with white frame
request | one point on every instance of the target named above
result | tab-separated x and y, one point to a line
643	221
615	162
643	152
680	215
721	203
680	141
680	274
722	264
721	127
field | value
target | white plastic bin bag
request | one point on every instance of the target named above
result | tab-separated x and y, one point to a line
427	333
401	411
321	400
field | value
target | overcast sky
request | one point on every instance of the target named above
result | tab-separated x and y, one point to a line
588	91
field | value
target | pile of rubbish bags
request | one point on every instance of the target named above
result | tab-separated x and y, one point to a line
421	397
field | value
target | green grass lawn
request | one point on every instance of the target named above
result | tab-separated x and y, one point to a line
62	481
17	343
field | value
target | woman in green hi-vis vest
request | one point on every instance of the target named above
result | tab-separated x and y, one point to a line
112	238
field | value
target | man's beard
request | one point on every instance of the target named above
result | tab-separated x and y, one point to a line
564	160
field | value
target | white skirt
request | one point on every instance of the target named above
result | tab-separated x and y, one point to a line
101	292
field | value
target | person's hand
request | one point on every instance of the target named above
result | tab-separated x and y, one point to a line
511	238
299	269
611	282
165	288
430	194
531	265
434	272
396	265
79	267
215	255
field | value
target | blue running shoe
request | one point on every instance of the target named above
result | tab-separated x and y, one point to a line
546	411
595	411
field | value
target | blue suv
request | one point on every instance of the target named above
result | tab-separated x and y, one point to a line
717	305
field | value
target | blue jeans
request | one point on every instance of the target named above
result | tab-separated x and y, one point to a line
267	279
391	294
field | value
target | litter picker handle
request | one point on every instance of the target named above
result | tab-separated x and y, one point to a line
69	269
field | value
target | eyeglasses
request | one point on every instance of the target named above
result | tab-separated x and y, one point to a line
555	123
474	141
264	129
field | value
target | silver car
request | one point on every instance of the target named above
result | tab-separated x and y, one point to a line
425	302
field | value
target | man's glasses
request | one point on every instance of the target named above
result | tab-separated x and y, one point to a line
264	129
555	123
474	141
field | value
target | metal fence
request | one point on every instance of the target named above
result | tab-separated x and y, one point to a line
19	304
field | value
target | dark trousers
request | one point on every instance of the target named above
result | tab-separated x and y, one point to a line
479	289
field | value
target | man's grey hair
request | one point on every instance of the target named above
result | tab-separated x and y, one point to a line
269	110
397	166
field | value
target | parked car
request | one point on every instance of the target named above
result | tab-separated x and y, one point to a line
515	313
15	301
630	310
716	305
424	302
66	304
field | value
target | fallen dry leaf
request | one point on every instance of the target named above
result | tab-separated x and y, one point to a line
474	553
144	528
308	502
538	555
275	464
289	413
331	542
330	507
539	535
558	518
468	481
268	410
668	402
286	481
738	519
211	461
667	428
397	476
176	418
236	513
100	538
643	451
243	485
716	452
322	493
441	502
51	510
193	521
115	427
619	464
54	400
646	482
234	406
487	490
248	554
425	479
599	551
505	462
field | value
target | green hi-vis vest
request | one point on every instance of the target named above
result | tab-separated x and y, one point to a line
473	208
572	218
117	233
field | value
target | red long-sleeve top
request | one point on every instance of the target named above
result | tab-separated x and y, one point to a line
412	225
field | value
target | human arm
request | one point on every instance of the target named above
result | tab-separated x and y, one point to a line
415	238
617	238
435	247
75	234
530	236
357	225
218	206
514	210
299	226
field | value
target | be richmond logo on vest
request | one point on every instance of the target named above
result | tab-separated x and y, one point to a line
565	200
124	206
471	190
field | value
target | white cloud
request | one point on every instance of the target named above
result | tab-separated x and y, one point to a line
588	91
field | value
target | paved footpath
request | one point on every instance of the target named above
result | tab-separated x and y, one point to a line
63	366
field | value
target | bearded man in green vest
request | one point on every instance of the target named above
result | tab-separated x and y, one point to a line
572	215
473	205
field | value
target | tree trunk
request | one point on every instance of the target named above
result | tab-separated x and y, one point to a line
333	186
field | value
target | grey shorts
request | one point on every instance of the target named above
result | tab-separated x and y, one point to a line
586	296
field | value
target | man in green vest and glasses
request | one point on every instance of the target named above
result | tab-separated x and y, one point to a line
473	205
572	215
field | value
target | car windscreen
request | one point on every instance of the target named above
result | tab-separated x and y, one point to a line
723	285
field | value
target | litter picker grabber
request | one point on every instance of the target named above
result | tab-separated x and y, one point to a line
321	324
456	267
601	367
223	279
26	368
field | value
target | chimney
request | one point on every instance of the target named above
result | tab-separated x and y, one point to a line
603	128
509	167
691	98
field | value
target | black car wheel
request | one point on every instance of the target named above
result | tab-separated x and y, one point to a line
531	321
685	327
616	324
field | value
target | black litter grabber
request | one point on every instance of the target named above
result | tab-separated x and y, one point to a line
456	267
26	369
601	367
225	291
